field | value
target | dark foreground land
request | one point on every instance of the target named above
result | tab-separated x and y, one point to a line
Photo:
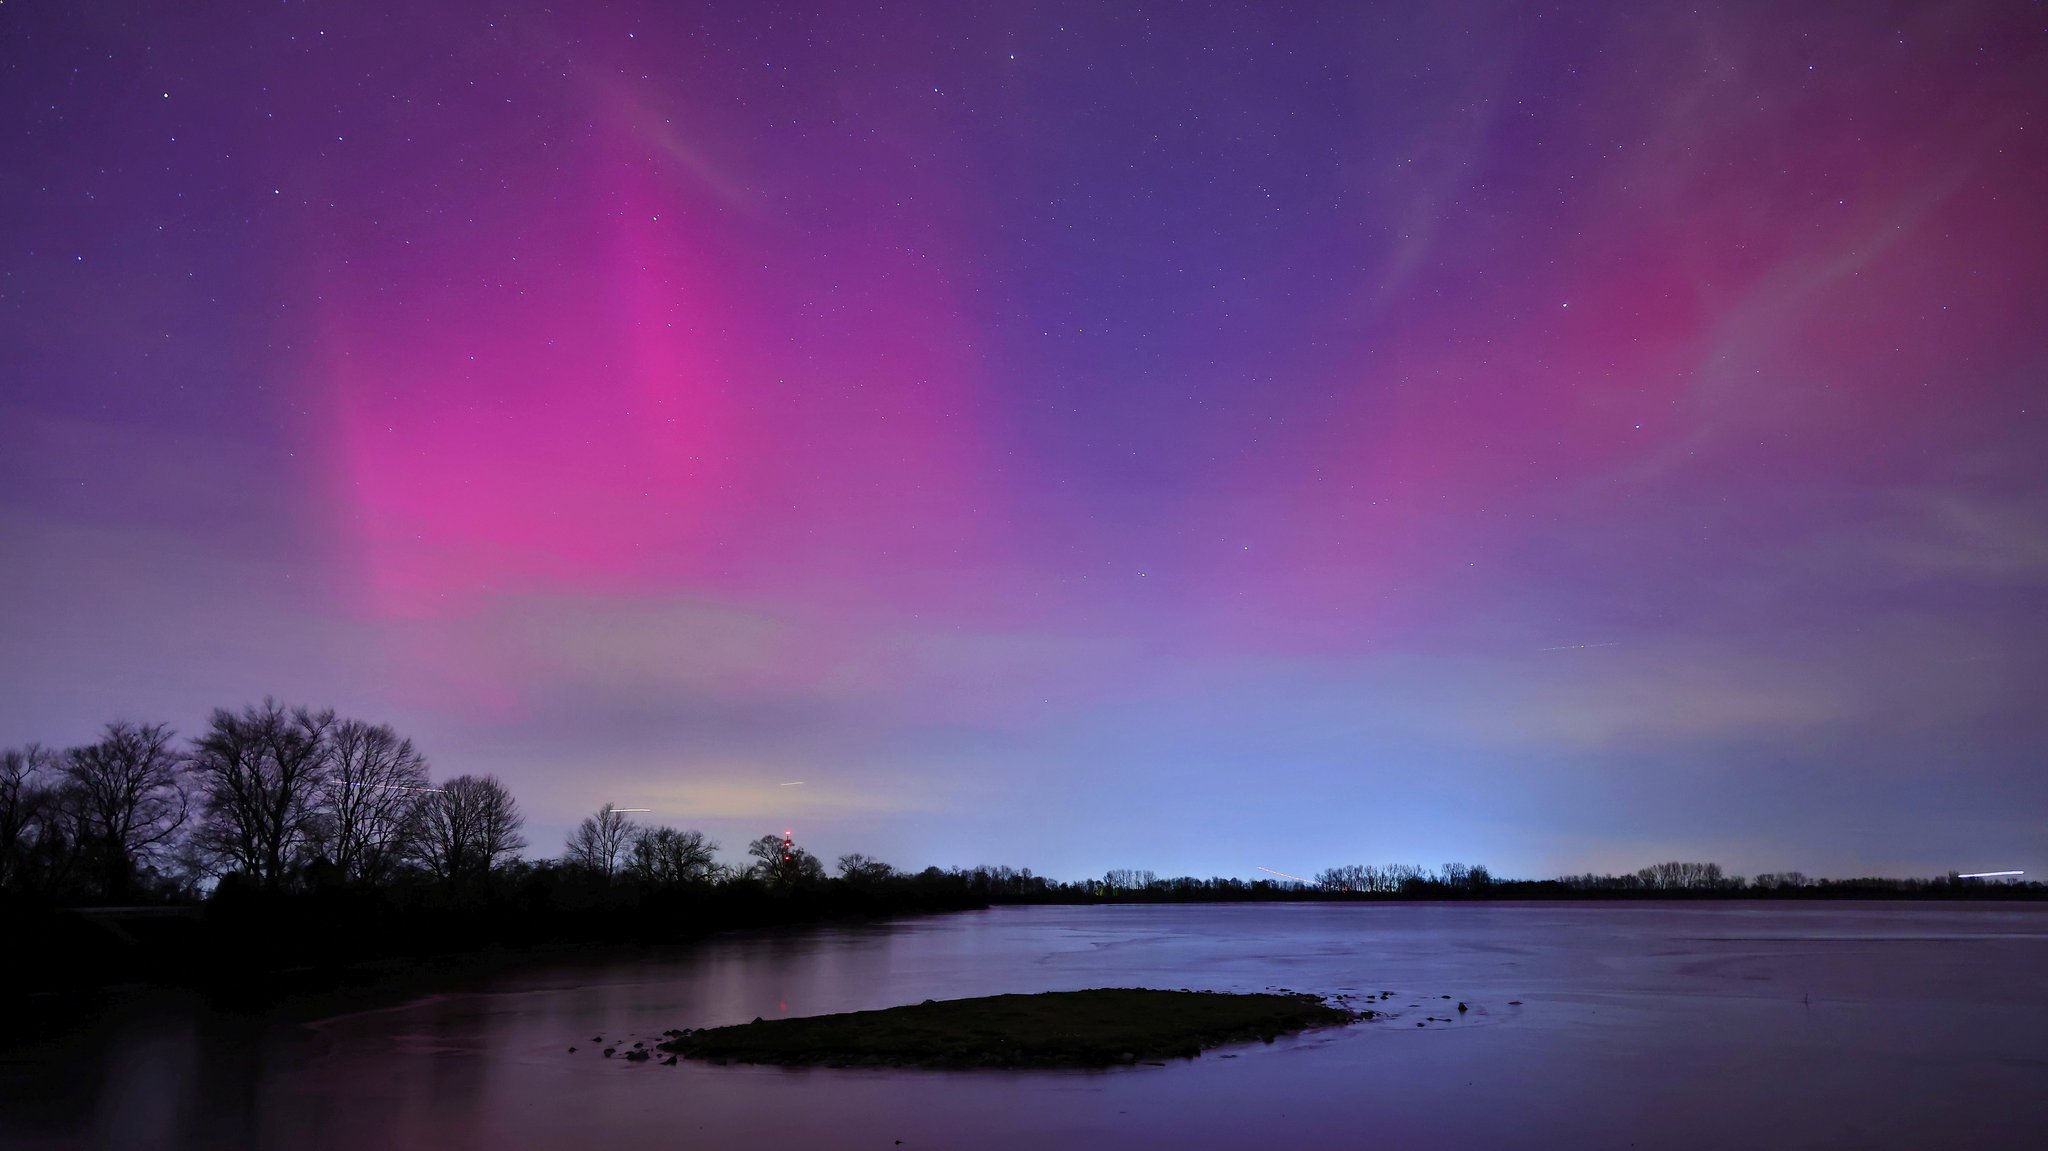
1098	1028
257	948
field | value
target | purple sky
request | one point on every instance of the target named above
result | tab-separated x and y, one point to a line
1185	436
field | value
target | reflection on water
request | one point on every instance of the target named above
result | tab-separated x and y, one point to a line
1636	1024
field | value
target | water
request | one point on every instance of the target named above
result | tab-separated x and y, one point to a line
1669	1026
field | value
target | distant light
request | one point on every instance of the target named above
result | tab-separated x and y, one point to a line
1991	875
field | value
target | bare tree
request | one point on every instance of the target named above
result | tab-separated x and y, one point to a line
667	857
371	796
782	863
599	842
128	798
261	773
468	827
1350	877
1679	875
31	824
1397	876
861	869
22	791
1772	881
1128	879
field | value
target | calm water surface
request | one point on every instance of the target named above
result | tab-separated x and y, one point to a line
1647	1025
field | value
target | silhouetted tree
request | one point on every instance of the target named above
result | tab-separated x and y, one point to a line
128	798
371	797
783	866
599	842
1350	877
666	857
468	826
1128	879
261	775
864	871
1679	876
36	839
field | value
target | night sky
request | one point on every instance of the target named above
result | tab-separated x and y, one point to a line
1183	436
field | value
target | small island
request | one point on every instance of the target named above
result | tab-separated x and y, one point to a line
1055	1029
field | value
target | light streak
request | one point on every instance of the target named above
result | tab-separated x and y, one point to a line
401	787
1579	646
1991	875
632	809
792	783
1283	875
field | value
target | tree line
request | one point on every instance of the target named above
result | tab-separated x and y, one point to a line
1670	880
276	799
271	796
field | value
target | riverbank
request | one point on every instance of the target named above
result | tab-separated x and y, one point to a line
260	948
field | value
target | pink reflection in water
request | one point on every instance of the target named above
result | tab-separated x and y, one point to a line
1893	1025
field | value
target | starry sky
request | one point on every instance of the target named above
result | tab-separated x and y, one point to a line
1189	436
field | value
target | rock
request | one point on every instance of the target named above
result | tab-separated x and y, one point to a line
1514	1003
669	1062
1461	1009
572	1051
637	1057
608	1052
